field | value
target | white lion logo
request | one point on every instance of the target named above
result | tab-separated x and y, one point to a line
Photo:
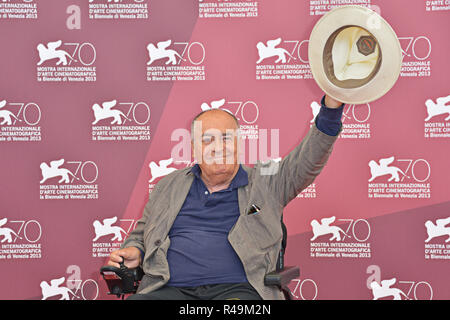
322	228
160	170
7	232
378	170
269	50
106	229
440	107
54	289
161	52
54	170
214	105
315	108
438	229
105	112
50	52
385	290
6	115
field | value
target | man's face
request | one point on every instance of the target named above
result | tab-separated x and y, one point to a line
215	144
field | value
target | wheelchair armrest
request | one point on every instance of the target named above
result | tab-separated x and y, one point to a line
121	281
283	277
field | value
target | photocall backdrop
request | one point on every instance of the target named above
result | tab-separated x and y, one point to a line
96	98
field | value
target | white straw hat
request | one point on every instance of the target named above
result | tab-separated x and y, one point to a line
354	55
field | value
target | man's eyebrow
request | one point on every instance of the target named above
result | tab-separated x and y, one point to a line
227	133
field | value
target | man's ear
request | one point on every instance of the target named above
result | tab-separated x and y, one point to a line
196	141
198	158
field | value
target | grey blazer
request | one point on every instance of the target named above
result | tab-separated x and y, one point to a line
256	238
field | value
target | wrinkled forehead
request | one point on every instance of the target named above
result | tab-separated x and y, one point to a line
216	121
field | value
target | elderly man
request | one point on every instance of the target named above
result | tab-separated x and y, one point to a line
212	231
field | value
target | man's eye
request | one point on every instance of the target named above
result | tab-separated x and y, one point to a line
207	139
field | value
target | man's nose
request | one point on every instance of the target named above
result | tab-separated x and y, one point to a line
218	145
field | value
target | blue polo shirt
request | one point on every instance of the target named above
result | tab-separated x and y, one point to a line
199	253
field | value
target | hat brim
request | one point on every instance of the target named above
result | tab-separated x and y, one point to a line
388	42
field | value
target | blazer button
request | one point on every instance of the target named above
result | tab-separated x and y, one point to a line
157	242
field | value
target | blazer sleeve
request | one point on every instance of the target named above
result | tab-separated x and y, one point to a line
136	237
299	168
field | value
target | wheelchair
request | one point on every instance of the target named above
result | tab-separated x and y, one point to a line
122	281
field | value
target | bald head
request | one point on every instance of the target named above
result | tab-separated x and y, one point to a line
214	116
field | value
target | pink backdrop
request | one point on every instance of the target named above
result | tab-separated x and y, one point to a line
48	232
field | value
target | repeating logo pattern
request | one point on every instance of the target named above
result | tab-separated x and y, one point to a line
320	7
20	240
208	9
109	235
66	62
416	52
61	183
58	68
332	241
121	121
165	58
437	121
396	288
436	6
399	178
280	59
19	121
118	9
437	243
70	286
18	10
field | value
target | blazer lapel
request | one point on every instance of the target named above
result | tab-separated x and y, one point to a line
243	199
244	193
177	197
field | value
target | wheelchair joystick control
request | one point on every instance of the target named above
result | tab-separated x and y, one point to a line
122	280
122	265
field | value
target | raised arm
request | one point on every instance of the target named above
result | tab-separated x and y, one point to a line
304	163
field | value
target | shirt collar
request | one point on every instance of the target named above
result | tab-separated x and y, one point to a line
239	180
